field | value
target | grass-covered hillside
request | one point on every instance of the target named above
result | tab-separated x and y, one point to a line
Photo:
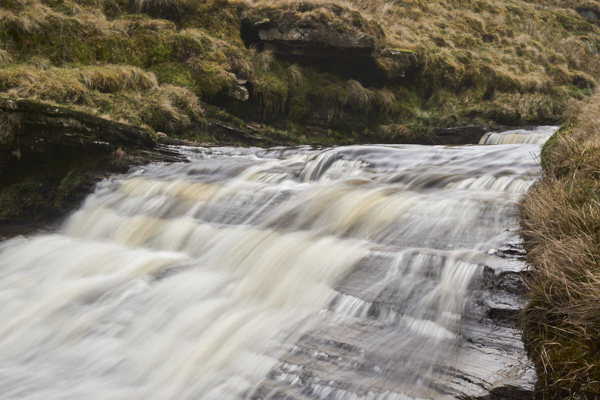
164	64
75	73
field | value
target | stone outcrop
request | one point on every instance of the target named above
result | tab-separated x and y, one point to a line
51	156
317	42
238	91
590	10
36	125
313	31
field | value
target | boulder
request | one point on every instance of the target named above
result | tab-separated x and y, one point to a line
238	91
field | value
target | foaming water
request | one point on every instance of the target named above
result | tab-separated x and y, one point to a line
519	136
249	273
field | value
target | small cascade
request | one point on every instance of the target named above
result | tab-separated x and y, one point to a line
360	272
314	169
519	136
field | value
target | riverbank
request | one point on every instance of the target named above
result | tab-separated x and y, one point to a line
560	221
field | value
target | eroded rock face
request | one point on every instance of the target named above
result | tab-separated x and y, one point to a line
50	157
38	125
315	42
314	31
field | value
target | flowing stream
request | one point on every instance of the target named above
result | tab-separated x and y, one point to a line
353	272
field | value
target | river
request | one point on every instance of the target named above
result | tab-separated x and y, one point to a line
358	272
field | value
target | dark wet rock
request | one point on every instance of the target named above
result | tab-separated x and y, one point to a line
229	134
507	393
510	282
317	124
511	252
339	361
469	134
38	125
51	157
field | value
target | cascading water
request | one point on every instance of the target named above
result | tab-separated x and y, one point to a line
347	273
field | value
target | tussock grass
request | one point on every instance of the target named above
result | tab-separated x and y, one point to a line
296	73
122	93
162	114
185	100
522	108
111	78
561	230
386	98
264	59
396	133
359	94
5	58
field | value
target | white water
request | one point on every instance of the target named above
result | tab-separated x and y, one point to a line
519	136
196	280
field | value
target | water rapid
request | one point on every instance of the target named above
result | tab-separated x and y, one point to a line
354	272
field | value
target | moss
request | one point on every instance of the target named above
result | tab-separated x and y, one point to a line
68	185
209	77
172	73
150	42
19	198
271	91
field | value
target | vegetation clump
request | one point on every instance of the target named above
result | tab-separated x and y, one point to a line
561	230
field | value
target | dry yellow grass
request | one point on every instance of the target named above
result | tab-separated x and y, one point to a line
359	94
561	230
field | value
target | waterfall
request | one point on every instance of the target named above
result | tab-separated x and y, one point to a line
519	136
349	273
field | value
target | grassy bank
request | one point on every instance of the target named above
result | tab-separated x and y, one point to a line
159	63
561	231
200	69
